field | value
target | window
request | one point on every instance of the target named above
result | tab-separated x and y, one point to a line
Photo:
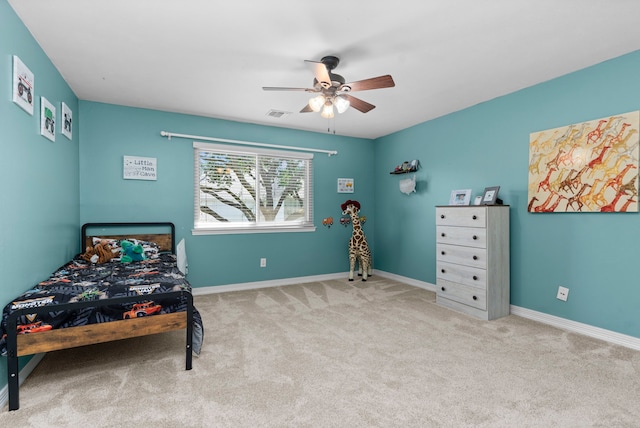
246	189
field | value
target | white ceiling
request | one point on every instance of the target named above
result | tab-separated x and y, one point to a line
212	58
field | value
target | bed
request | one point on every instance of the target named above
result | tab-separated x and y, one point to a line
87	301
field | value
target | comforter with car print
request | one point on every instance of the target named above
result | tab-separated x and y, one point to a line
79	280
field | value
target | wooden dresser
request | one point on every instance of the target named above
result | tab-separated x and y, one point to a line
472	259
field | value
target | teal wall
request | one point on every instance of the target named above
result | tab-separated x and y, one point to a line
486	145
110	132
39	214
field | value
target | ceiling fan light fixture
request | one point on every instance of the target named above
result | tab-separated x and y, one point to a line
327	111
329	89
316	103
341	103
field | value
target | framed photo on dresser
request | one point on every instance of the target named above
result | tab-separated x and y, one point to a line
490	196
460	197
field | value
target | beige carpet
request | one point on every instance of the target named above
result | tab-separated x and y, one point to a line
339	354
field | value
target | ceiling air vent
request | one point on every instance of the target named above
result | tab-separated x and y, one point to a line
277	113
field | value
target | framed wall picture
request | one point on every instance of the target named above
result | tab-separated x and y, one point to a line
345	185
460	197
490	196
589	166
23	85
47	119
67	120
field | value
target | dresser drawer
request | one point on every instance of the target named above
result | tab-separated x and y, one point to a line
467	275
467	236
470	296
461	216
468	256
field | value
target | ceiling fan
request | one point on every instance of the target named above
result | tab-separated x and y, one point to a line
333	91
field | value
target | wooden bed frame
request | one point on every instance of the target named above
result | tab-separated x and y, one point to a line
57	339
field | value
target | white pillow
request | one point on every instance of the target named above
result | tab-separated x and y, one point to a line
181	255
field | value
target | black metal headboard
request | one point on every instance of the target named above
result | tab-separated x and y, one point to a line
129	229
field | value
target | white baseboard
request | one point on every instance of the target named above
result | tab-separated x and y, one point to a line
562	323
201	291
577	327
420	284
26	371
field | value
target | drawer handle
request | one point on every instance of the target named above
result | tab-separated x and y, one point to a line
442	270
475	278
442	252
475	257
441	215
442	288
475	237
475	217
443	235
475	298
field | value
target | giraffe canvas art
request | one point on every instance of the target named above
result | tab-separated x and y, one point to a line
358	247
587	167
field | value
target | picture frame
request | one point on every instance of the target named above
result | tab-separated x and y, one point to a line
47	119
556	182
490	196
139	168
23	86
460	197
66	117
477	200
345	185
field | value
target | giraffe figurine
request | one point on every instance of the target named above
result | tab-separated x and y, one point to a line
358	247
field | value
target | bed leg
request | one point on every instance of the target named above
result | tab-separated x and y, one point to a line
189	355
12	364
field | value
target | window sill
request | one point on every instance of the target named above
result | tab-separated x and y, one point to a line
251	229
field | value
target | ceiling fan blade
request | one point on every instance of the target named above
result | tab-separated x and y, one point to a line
379	82
358	104
320	71
277	88
306	109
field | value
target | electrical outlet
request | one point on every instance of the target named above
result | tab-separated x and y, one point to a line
563	293
263	262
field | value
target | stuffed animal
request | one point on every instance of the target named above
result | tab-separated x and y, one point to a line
101	252
131	252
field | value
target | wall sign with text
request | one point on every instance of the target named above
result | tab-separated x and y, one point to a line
138	168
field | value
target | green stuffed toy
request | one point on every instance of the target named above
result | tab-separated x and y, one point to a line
131	252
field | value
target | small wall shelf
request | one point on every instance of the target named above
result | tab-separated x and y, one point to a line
406	167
